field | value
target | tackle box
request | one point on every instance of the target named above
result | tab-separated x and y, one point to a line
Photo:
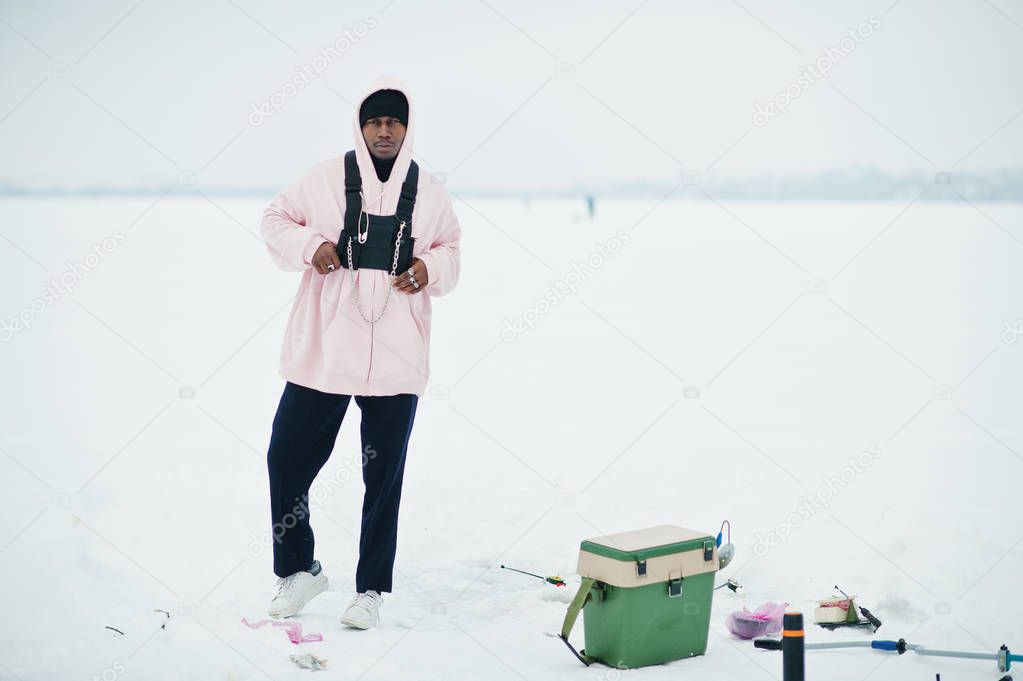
649	596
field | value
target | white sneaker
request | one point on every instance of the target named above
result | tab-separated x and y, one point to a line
294	591
364	610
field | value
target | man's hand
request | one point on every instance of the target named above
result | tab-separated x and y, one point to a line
403	281
325	256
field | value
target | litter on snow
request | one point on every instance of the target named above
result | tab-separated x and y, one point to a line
294	630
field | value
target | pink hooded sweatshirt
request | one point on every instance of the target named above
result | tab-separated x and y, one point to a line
328	346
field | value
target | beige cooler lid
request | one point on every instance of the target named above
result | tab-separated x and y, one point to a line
670	552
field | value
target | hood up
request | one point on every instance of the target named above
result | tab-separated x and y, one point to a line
372	187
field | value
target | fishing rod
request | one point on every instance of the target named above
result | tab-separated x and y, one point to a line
868	619
1003	656
555	580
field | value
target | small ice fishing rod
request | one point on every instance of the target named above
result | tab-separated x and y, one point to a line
1003	656
870	617
556	581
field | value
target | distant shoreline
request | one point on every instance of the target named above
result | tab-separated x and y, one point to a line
935	196
838	185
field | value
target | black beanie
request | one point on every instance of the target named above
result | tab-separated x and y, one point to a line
384	103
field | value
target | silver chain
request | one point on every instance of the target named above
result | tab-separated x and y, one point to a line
355	282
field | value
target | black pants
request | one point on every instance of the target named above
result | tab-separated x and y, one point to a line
304	431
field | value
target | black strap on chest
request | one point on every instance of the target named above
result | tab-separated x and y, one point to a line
370	242
353	195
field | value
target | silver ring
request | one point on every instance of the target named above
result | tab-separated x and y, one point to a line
411	272
330	267
415	284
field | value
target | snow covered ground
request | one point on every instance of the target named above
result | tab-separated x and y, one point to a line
726	361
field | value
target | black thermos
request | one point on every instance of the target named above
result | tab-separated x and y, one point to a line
792	648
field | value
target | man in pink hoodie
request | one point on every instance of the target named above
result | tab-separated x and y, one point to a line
359	327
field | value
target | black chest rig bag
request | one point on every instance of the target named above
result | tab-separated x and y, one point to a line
377	242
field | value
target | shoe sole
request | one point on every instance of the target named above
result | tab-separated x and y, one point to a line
348	622
315	589
357	625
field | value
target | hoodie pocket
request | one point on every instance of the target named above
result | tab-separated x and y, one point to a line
399	347
345	339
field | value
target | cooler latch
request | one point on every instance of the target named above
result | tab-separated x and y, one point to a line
708	550
641	568
674	586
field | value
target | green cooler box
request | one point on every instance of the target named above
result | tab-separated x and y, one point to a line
645	596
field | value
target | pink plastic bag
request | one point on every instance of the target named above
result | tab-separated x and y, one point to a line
294	630
764	620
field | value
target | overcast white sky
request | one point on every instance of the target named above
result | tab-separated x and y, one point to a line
155	88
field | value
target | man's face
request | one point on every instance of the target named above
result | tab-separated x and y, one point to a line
383	135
